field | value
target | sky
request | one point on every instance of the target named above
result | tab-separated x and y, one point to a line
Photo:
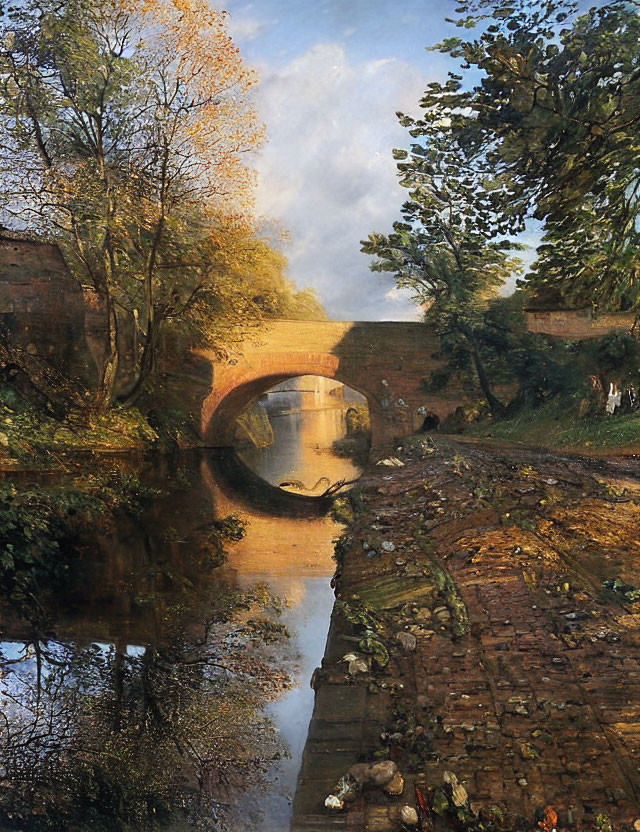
333	74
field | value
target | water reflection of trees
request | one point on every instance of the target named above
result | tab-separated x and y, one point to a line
140	737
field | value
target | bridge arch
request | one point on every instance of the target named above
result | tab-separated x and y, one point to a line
384	361
229	400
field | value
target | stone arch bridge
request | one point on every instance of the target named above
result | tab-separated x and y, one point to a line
385	361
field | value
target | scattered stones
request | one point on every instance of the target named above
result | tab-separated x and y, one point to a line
420	632
483	709
407	641
388	546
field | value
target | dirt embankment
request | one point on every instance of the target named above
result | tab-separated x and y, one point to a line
487	605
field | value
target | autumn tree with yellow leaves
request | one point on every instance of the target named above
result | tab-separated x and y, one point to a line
124	133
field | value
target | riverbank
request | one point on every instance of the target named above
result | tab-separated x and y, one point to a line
558	424
33	439
487	627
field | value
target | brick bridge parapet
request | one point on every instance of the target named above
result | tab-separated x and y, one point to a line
386	361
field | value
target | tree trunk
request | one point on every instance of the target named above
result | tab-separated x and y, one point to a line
109	372
495	405
147	366
148	357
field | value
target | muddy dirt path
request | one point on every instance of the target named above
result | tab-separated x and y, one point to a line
488	600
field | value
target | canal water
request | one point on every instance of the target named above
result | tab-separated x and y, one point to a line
170	683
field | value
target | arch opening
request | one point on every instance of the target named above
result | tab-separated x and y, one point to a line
307	434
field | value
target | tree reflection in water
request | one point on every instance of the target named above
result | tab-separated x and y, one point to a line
140	737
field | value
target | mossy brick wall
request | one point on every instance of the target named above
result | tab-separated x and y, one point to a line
576	325
41	306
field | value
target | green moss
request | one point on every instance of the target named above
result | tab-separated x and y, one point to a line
449	591
342	510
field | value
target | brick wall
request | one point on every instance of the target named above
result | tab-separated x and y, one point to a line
576	324
385	361
41	305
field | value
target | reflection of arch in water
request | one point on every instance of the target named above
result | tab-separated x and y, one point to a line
243	487
287	534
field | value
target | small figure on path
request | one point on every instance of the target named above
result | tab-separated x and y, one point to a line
629	399
614	399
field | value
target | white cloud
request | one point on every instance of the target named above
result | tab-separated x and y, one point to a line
247	28
402	297
327	172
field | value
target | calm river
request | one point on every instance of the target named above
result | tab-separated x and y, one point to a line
158	648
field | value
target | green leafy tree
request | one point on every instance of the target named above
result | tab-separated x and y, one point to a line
556	110
448	248
123	129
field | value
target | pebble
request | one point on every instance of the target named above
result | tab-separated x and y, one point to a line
409	816
383	772
388	546
407	641
358	666
395	786
459	795
360	772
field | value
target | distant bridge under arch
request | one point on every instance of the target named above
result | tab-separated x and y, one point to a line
385	361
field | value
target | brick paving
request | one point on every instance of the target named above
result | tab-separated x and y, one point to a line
525	679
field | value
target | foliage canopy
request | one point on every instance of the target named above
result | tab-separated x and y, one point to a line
125	131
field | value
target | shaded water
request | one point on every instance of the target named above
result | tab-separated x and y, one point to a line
151	642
